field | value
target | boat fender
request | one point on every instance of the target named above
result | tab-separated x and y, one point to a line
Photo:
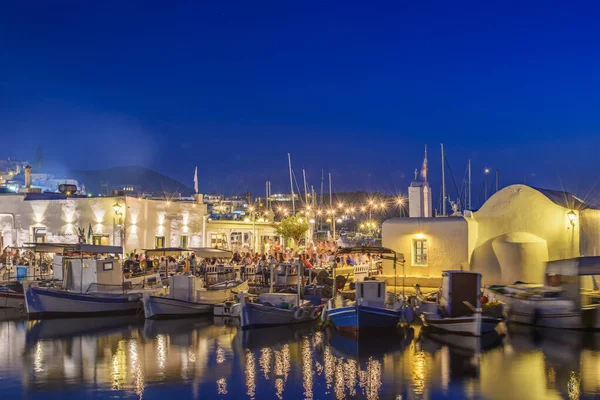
306	313
324	315
314	313
298	313
408	315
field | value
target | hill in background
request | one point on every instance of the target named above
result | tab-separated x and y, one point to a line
143	180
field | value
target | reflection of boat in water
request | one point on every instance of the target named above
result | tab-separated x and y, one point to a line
272	336
432	342
49	329
350	347
153	328
12	314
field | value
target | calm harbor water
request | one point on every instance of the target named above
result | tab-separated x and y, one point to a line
128	358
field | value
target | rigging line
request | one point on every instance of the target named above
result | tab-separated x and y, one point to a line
298	187
451	174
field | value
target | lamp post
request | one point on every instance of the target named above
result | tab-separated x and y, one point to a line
118	213
486	172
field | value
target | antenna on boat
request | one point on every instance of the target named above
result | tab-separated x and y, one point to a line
443	183
292	185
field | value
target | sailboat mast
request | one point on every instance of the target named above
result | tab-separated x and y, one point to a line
305	187
330	196
469	187
292	185
443	183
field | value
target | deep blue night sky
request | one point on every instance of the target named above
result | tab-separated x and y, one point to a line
356	89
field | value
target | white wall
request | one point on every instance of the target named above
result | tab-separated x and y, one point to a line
447	240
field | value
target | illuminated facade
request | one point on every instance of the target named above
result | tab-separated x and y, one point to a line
510	238
131	222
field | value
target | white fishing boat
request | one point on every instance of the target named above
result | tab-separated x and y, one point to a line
278	309
12	296
459	310
569	299
189	297
89	285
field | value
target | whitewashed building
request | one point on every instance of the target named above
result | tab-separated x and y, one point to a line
131	222
509	238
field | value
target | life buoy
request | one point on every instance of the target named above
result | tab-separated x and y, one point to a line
298	313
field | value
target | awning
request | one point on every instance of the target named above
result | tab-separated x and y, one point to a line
62	248
371	250
579	266
166	251
209	252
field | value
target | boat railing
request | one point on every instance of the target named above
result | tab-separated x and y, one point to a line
125	287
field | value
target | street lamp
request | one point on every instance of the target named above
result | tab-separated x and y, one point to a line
572	217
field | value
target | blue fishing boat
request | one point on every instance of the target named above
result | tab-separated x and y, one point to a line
369	311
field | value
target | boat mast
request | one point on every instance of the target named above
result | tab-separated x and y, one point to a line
469	187
292	185
443	183
305	188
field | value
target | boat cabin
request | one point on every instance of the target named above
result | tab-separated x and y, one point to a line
84	267
185	287
576	277
371	294
459	287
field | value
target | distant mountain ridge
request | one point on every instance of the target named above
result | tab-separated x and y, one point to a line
143	180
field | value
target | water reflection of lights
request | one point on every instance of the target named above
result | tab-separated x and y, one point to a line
119	366
250	374
136	367
307	372
350	370
339	380
38	364
329	361
265	362
161	351
222	386
374	379
419	371
574	386
220	354
191	355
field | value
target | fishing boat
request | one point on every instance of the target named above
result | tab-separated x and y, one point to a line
88	284
369	311
278	309
189	297
569	299
12	296
459	310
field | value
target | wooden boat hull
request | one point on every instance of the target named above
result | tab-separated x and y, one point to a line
474	325
356	319
156	307
10	299
253	315
50	302
548	313
216	296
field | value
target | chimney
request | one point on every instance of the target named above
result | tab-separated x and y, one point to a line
27	176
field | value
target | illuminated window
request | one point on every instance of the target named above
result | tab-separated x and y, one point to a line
159	243
420	252
101	240
183	241
39	235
